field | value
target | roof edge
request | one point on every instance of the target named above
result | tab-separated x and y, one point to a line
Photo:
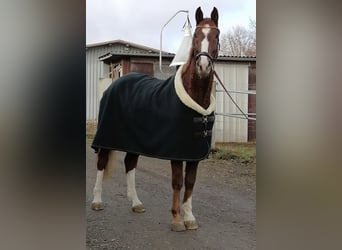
237	58
143	47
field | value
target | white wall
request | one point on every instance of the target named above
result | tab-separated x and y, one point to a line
102	85
95	71
230	129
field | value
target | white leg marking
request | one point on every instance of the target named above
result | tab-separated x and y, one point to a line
131	192
187	207
98	187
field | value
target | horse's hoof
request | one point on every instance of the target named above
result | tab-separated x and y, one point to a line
178	227
97	206
139	208
191	225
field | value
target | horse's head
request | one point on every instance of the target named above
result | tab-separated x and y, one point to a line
205	43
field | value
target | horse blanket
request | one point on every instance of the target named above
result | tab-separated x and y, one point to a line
156	118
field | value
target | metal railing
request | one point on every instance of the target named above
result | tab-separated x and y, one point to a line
242	114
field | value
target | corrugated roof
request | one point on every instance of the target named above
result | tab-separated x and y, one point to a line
141	50
127	44
112	54
236	58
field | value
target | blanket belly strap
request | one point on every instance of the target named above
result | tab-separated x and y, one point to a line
204	133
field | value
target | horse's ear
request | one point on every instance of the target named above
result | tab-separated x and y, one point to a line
199	15
214	16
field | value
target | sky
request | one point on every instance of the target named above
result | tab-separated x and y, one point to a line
141	21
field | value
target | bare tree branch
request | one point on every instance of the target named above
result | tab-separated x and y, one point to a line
239	41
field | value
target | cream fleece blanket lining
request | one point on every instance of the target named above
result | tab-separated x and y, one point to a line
187	100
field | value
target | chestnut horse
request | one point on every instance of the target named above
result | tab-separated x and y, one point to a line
196	76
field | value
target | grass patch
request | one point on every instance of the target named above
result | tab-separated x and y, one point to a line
91	129
90	136
238	152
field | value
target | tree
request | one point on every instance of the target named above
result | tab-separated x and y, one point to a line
239	41
252	37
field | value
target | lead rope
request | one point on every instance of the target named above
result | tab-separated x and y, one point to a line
231	98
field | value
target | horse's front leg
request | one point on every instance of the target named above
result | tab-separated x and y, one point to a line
102	160
131	161
177	223
190	179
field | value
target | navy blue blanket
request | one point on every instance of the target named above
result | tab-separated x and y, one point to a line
152	117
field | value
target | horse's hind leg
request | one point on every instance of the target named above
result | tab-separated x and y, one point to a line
131	161
102	161
190	178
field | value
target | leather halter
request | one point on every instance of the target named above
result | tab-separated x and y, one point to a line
203	53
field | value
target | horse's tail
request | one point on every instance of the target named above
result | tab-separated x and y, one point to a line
109	169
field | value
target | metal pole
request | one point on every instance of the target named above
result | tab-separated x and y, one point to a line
161	35
247	117
249	92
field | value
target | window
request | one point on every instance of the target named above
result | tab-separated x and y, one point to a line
115	71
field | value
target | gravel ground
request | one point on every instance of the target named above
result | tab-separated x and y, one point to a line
223	203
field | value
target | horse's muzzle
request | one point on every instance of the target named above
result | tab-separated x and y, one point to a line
204	64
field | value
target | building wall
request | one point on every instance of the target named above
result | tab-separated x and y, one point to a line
102	85
235	77
132	64
95	71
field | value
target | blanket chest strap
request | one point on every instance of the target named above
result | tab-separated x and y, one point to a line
204	119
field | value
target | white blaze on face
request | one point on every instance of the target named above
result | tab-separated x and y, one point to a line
205	47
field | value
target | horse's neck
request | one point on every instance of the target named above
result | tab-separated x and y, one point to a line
198	89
